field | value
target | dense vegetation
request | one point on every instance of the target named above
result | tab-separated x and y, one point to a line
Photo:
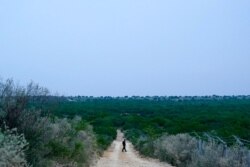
149	122
223	116
42	130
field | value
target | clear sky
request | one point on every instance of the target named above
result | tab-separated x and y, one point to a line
127	47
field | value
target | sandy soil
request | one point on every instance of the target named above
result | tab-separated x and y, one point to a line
114	157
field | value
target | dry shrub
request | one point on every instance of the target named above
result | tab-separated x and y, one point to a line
183	150
14	98
176	149
214	154
12	148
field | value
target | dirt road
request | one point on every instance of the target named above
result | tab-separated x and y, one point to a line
114	157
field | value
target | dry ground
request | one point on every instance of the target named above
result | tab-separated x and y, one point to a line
114	157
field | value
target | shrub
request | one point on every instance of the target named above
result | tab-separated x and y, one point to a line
176	149
52	141
55	142
68	145
183	150
12	148
14	99
216	155
35	129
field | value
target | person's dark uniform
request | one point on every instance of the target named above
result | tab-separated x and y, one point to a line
124	146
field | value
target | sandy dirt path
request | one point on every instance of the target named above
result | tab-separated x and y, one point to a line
114	157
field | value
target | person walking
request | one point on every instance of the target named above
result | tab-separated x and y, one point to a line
124	146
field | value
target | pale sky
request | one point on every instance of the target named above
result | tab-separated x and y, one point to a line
127	47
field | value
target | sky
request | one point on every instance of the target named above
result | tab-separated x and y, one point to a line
127	47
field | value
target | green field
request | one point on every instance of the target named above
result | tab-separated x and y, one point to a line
152	116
